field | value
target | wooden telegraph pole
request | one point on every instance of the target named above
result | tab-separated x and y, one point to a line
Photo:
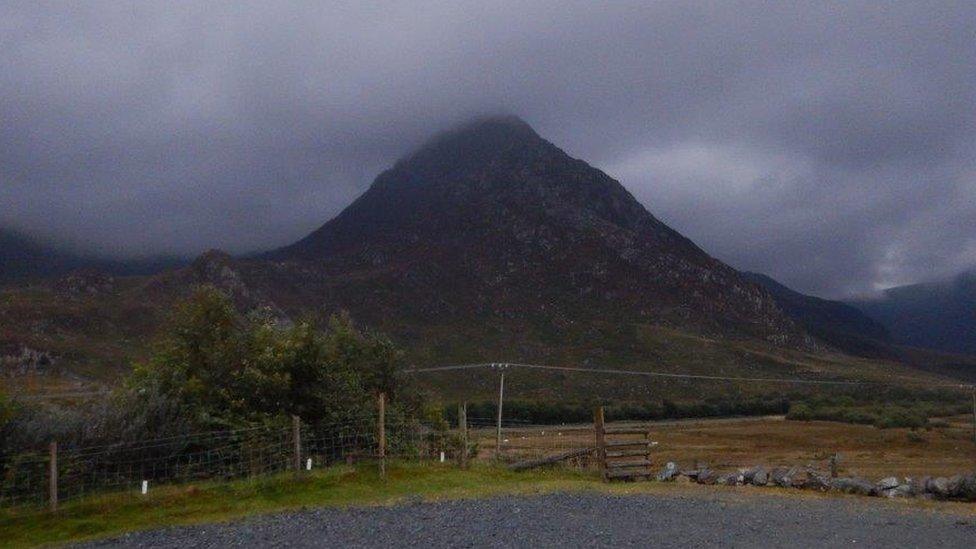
463	431
53	477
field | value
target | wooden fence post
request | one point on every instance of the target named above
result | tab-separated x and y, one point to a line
53	477
498	428
463	428
381	436
601	443
296	436
974	414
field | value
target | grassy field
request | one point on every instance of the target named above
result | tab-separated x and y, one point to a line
732	443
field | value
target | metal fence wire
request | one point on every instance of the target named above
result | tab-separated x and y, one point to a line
25	479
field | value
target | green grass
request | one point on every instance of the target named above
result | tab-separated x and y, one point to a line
112	514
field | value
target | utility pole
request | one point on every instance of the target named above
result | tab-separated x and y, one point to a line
501	399
463	429
974	414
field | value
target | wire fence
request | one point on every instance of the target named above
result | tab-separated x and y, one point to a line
251	453
71	473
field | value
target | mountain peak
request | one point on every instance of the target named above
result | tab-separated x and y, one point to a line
486	141
491	220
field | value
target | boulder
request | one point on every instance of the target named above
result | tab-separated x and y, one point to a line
729	479
812	480
967	488
783	476
954	486
668	473
760	478
706	476
917	485
938	487
887	483
756	476
900	491
853	485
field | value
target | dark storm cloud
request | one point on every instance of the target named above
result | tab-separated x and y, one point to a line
831	146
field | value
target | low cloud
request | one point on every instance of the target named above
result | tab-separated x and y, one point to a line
830	146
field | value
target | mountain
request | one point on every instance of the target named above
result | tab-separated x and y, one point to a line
490	221
833	322
24	258
487	244
936	315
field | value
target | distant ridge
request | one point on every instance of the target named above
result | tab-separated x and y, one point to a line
833	322
935	315
26	258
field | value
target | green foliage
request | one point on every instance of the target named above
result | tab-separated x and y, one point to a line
225	370
885	409
800	412
6	410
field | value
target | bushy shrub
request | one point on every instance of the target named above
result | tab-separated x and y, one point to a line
800	412
221	369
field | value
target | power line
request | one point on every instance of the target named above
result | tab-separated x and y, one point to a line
671	375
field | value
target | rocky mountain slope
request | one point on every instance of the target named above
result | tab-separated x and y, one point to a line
836	323
490	221
936	315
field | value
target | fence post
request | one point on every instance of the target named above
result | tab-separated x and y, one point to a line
296	436
381	437
53	477
601	443
498	427
463	428
974	414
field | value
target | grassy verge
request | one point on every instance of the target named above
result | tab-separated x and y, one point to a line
112	514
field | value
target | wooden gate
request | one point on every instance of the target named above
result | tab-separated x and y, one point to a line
624	453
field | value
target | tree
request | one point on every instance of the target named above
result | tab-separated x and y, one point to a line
225	369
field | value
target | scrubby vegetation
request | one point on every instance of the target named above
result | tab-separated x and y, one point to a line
550	413
214	369
887	409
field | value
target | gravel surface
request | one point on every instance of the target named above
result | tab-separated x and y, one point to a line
586	520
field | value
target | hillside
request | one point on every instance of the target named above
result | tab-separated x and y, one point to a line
938	315
836	323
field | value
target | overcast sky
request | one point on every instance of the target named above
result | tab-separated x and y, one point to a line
831	147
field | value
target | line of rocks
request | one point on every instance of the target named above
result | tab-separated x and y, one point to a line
958	487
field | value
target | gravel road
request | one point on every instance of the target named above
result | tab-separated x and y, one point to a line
587	520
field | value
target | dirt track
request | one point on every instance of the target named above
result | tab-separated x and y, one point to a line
590	520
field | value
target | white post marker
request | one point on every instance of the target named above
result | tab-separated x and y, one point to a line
442	456
145	487
308	464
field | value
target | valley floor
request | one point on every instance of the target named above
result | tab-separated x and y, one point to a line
730	443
